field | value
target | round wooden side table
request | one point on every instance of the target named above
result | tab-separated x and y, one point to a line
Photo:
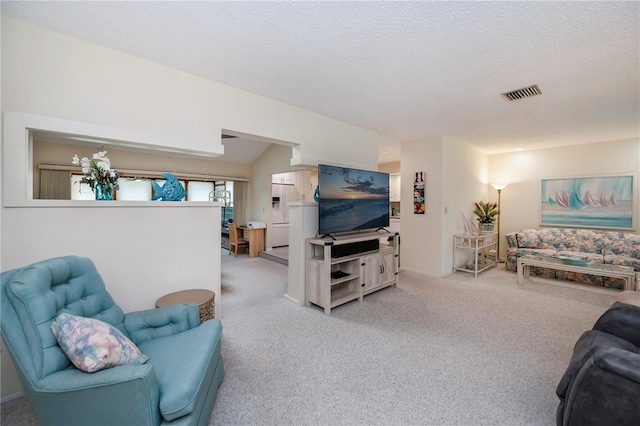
203	298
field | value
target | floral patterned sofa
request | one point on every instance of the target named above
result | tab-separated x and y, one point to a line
614	247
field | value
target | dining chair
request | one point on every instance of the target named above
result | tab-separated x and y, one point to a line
234	242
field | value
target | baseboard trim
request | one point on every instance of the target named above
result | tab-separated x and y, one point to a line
11	397
291	299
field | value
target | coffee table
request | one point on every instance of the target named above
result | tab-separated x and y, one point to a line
601	269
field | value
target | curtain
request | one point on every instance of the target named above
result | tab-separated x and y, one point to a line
55	184
239	202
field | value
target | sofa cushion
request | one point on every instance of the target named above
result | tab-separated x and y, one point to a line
622	244
93	345
587	344
512	239
581	240
184	364
536	238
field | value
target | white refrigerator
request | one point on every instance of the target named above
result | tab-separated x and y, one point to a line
282	194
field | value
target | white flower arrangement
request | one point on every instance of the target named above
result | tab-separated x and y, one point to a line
97	170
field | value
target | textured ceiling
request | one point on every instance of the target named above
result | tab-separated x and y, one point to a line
409	70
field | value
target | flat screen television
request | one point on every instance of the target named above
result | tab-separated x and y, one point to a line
351	199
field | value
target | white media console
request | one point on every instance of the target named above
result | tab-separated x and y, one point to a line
349	267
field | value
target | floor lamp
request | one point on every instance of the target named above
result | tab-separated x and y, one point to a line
499	187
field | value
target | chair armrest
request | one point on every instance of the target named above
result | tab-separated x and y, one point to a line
73	379
512	239
161	322
622	363
126	394
622	320
605	391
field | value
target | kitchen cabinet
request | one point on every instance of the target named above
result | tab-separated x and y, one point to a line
287	178
394	187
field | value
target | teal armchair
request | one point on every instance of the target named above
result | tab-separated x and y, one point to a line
176	386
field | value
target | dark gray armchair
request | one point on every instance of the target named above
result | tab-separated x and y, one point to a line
601	386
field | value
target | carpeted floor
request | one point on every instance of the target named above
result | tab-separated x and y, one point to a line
457	350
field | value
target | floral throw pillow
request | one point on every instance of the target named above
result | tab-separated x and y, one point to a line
92	345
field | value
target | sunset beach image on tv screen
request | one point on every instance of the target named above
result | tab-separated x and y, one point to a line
352	199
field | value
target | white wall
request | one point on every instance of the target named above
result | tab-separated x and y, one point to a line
304	224
141	252
520	205
465	177
389	167
456	176
50	74
421	236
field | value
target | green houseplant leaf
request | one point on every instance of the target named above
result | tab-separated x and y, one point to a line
485	212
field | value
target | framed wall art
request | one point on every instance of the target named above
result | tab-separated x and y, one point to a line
418	193
603	202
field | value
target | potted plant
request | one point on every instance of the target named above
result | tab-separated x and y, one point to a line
98	174
486	214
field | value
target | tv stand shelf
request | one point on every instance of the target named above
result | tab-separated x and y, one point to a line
366	271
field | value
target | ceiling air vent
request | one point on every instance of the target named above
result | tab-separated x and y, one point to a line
525	92
228	137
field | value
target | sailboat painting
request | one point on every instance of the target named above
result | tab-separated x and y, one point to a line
589	202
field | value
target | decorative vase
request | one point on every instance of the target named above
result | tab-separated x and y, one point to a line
103	192
486	228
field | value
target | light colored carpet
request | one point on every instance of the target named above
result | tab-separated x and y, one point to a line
432	351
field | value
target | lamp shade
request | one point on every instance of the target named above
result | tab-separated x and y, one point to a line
499	186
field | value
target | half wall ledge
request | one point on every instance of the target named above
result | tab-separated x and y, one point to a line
106	204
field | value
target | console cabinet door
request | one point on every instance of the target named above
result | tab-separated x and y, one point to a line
371	272
389	267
